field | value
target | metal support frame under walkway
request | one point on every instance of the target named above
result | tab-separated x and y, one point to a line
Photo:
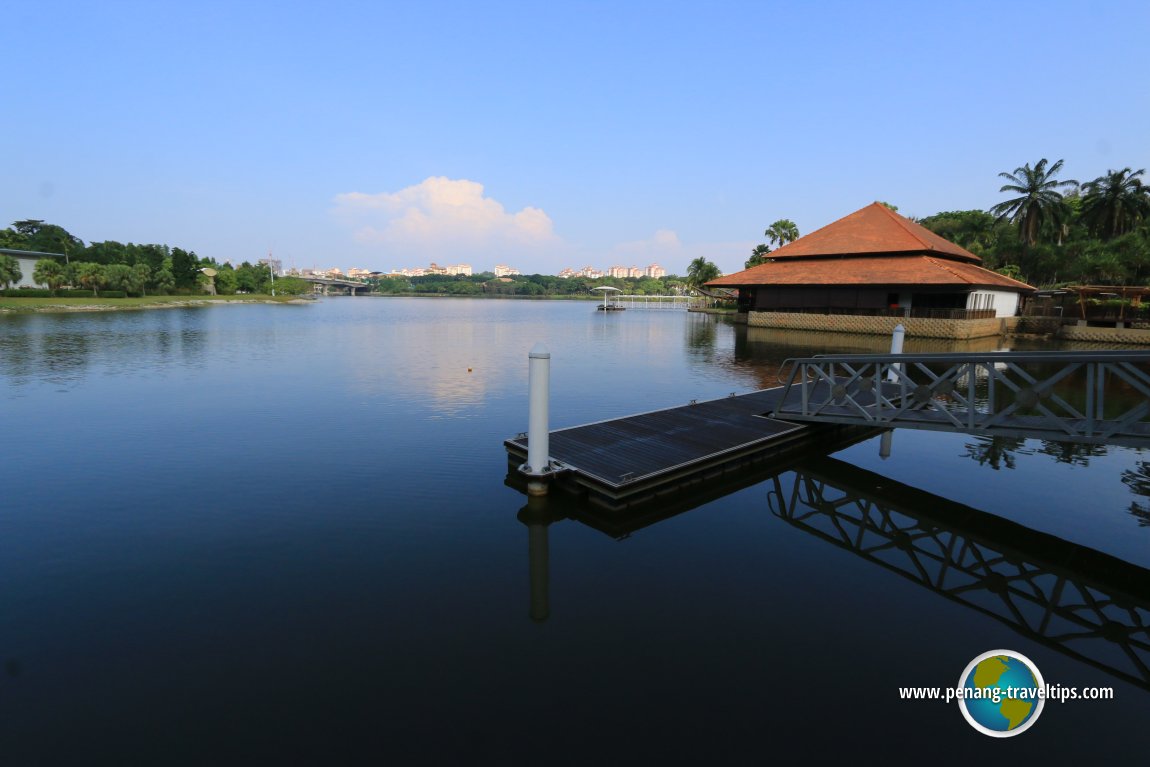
1090	397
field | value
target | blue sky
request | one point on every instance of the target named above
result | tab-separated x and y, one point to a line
545	134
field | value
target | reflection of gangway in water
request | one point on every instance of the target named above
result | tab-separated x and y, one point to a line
1079	601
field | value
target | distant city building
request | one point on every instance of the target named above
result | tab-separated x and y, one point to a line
503	270
654	270
588	272
275	264
453	269
359	273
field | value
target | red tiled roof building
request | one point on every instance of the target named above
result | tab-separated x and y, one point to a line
875	261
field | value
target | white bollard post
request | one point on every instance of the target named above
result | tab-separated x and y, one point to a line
896	348
538	436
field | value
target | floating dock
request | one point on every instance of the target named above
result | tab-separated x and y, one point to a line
629	460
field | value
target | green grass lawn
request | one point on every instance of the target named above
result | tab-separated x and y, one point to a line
97	304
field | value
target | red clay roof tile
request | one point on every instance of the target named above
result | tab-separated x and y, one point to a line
871	270
872	230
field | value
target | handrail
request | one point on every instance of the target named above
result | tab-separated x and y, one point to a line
1053	395
1136	357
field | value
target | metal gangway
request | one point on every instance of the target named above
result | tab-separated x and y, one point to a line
1089	397
657	303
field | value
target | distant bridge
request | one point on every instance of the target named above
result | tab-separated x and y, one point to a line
324	286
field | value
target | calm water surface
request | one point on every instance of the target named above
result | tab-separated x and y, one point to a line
281	534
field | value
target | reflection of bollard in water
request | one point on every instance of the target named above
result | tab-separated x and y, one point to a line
538	554
535	516
896	340
892	375
884	444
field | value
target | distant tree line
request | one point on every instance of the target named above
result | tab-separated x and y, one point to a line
131	269
486	283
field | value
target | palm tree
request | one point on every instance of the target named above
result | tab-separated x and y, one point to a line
758	255
1116	203
1040	202
118	276
50	272
9	270
163	281
782	231
700	272
141	276
91	276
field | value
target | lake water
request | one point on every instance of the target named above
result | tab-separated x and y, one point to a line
282	534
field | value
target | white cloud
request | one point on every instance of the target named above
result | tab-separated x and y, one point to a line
453	221
446	219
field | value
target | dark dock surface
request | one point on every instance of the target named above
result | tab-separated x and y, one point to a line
659	450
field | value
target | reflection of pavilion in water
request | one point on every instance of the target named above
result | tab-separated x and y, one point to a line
1086	604
761	352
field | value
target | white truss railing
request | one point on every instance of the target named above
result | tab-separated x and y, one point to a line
1097	397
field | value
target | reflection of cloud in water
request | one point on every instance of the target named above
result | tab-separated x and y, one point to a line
426	363
596	356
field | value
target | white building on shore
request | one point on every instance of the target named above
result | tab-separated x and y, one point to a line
26	260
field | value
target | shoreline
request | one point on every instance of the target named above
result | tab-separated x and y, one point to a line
67	305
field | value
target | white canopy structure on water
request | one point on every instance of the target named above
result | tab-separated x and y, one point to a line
607	289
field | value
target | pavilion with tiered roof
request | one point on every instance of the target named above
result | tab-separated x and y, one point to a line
875	263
